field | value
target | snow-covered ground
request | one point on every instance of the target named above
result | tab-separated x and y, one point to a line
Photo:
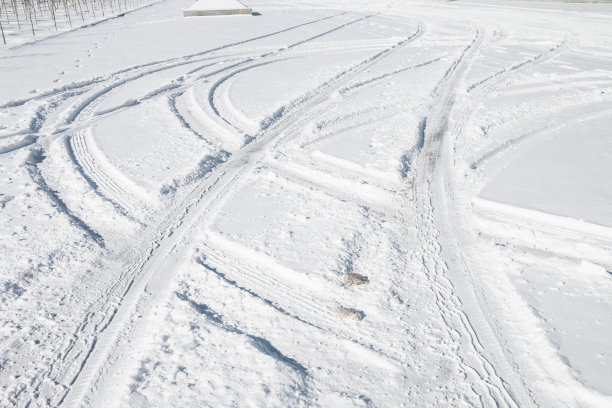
186	204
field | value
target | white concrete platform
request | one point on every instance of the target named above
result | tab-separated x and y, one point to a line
216	8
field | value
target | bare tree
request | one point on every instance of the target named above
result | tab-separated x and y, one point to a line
36	12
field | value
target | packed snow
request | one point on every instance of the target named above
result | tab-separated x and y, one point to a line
325	203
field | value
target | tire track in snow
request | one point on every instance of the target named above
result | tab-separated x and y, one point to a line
374	80
551	369
63	369
434	201
54	381
109	187
107	181
480	90
203	260
520	140
31	133
82	114
271	285
261	344
496	391
491	80
106	185
247	125
35	158
280	288
86	108
95	168
213	105
193	117
173	101
374	198
172	241
20	144
477	93
88	111
265	286
85	84
230	266
215	87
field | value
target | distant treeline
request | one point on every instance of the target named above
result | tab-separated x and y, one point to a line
31	14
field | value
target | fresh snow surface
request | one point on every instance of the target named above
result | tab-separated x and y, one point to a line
573	175
331	203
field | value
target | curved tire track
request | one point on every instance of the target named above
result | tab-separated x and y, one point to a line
434	196
152	270
495	389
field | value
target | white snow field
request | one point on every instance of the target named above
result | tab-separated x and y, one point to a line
328	203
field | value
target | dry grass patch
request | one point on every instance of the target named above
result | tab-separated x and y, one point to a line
354	279
349	313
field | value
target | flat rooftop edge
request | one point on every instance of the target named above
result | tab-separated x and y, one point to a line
216	8
195	13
